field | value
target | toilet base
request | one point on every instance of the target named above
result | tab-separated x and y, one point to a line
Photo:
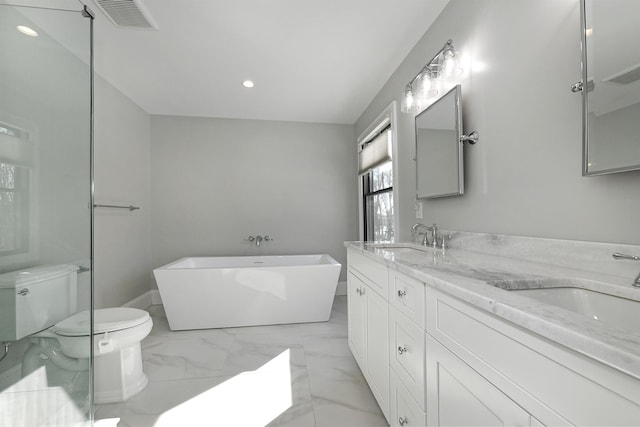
118	375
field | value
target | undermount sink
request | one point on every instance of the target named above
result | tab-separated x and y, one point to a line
609	309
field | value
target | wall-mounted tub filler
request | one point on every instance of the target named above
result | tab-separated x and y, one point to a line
259	238
618	255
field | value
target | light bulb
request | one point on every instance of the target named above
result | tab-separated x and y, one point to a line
425	78
408	100
428	85
449	65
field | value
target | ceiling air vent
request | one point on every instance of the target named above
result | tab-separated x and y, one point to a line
627	76
127	14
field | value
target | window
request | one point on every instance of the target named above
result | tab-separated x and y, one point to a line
14	190
13	208
378	203
376	169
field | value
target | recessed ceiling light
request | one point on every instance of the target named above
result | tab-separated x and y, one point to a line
28	31
248	84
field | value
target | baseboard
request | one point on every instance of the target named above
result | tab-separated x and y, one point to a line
342	288
155	297
151	297
141	302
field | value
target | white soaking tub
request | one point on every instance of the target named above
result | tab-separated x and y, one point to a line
222	292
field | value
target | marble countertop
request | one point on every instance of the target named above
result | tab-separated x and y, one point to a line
482	279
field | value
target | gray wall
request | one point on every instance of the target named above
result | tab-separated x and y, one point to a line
122	174
524	176
217	181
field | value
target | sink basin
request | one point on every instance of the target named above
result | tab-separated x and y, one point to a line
609	309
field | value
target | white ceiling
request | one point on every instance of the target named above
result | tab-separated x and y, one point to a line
311	60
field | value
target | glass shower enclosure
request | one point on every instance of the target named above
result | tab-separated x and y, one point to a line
45	213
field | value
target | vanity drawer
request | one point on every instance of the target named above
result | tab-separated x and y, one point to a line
405	411
407	353
407	295
374	273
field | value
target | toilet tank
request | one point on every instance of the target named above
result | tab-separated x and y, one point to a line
36	298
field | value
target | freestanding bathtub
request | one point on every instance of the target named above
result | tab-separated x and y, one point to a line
222	292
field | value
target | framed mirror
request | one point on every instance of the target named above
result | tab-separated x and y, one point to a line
439	160
610	86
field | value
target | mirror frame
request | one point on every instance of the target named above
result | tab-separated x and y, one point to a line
584	88
457	91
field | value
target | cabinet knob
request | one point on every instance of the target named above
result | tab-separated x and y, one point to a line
402	349
402	294
23	292
402	421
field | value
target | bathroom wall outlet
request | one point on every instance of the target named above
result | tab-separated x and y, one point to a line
418	208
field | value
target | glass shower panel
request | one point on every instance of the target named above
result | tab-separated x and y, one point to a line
45	215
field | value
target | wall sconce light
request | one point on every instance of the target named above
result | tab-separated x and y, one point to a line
444	66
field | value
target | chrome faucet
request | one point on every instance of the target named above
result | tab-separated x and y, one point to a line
434	233
618	255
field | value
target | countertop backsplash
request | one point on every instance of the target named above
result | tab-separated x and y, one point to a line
580	255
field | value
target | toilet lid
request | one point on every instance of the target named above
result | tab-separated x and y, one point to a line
104	320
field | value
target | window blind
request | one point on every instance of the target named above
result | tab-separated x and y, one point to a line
375	152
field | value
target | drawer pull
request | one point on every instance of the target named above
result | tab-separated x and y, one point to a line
23	292
402	294
402	349
402	421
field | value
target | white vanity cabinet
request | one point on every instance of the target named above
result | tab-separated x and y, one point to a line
502	374
368	323
434	359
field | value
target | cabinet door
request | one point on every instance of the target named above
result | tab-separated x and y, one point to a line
356	318
377	344
459	396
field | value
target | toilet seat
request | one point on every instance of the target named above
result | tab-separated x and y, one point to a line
104	320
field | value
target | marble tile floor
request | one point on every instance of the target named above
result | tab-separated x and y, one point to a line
299	375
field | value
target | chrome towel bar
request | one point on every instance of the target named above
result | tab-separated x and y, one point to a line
131	208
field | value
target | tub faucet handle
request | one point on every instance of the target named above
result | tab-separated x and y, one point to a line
268	238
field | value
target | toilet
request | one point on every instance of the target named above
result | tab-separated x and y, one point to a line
44	308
